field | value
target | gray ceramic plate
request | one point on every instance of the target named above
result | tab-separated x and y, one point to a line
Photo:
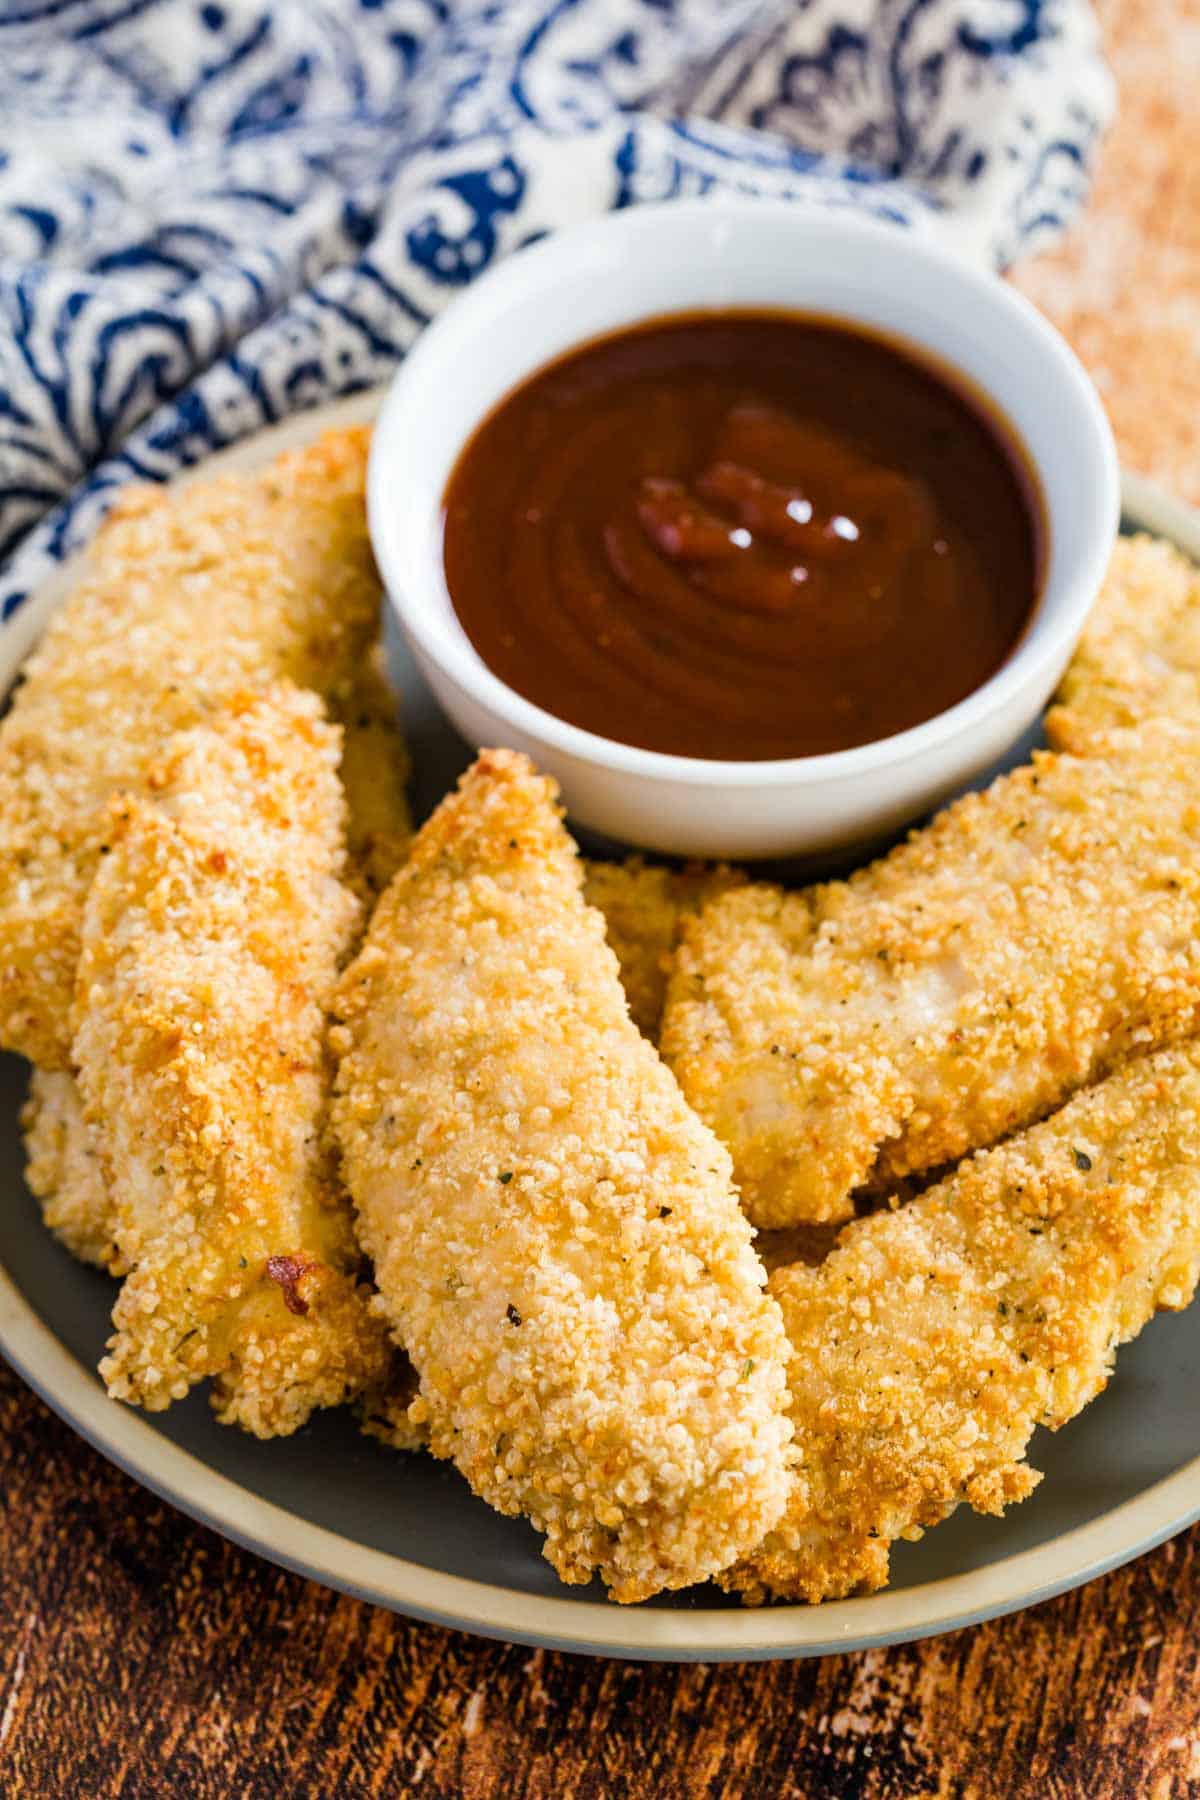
405	1531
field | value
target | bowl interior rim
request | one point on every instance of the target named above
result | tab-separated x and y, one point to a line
1047	638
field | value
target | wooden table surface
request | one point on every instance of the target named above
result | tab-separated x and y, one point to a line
142	1656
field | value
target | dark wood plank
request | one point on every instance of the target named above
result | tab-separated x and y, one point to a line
141	1656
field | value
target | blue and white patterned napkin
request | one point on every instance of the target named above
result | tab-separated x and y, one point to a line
213	212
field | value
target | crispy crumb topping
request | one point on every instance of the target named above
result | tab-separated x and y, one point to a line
644	906
555	1235
212	938
1025	943
1139	657
374	771
191	594
935	1337
63	1170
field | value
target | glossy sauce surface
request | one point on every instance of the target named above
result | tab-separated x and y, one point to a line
741	536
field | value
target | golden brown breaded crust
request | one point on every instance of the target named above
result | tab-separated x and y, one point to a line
1024	944
642	905
212	938
934	1338
1139	657
374	771
555	1236
643	908
64	1171
192	593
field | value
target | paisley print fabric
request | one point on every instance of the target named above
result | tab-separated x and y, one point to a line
213	212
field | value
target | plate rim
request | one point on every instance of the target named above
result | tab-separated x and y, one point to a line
893	1616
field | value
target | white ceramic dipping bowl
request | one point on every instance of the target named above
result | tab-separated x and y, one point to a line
682	257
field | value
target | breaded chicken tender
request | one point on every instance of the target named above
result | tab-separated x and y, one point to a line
1139	657
212	938
63	1170
556	1238
192	594
1025	943
643	908
936	1337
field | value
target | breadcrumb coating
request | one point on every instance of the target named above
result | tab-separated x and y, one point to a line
374	771
63	1170
192	593
1139	657
935	1338
1024	944
556	1238
643	908
212	938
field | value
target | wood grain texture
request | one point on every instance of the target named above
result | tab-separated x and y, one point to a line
141	1656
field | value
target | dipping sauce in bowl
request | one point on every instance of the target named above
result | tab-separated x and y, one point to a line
744	536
